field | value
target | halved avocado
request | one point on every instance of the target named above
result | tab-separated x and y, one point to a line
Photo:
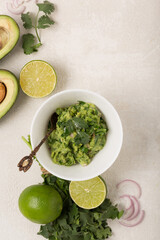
8	91
9	34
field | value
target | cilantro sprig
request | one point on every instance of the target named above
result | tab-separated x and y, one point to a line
76	223
76	124
30	42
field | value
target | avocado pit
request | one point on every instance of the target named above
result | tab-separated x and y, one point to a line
3	92
4	37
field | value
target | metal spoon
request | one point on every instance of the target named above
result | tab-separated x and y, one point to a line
26	162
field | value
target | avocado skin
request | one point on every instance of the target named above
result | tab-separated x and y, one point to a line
17	29
5	73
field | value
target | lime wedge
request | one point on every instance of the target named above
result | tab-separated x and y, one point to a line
88	194
38	79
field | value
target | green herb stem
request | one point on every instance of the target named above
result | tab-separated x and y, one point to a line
25	140
36	21
37	45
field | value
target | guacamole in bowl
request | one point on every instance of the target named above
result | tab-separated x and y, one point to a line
80	133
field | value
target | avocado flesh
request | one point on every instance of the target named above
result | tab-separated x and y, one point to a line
11	86
9	34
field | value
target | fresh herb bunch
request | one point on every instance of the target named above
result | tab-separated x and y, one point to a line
29	40
61	185
76	223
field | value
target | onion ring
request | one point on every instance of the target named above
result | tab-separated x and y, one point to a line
20	2
131	181
136	207
15	3
126	224
130	210
15	11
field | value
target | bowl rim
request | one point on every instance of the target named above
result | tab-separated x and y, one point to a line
89	92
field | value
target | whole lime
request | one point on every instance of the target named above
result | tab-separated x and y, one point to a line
40	203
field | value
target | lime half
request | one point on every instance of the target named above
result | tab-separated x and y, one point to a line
38	79
88	194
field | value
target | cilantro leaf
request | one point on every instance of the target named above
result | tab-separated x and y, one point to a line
79	122
120	214
62	186
28	41
46	7
84	149
44	231
68	127
75	124
72	125
81	102
27	21
82	138
44	22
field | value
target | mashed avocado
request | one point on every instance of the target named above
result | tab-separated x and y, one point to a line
80	133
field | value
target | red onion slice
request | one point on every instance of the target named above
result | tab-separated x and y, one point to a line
134	223
15	3
136	207
19	2
15	11
129	181
30	0
128	213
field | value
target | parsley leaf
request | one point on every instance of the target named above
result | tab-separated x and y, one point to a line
44	22
27	21
28	41
46	7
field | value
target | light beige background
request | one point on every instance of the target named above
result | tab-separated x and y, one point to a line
111	47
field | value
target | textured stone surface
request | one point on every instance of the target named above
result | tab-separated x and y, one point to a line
113	48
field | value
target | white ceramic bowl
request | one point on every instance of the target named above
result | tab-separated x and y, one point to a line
102	160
